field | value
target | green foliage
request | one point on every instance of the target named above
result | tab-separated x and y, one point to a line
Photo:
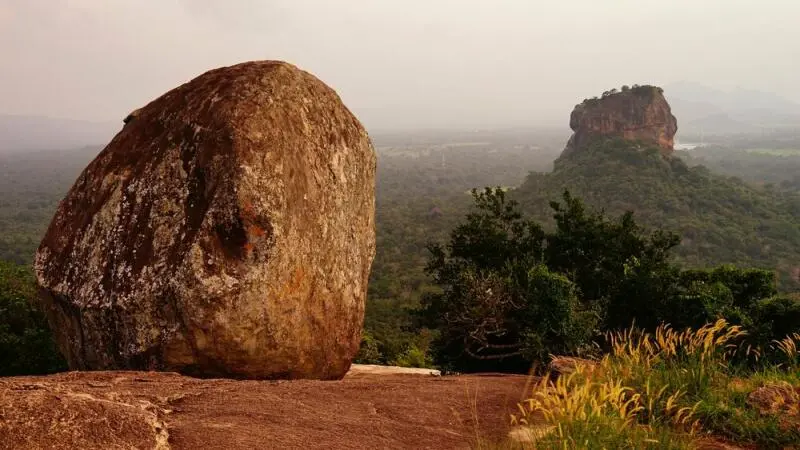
554	320
598	252
770	163
773	318
689	298
26	344
512	293
32	184
640	91
411	351
414	357
414	180
499	305
368	353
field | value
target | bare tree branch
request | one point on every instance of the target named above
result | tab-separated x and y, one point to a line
489	357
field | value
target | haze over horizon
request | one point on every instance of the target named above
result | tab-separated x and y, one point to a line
397	65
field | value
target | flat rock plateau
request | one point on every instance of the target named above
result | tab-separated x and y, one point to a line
158	410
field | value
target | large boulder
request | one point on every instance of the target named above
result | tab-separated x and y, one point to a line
227	230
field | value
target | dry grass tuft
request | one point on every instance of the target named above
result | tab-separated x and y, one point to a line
662	390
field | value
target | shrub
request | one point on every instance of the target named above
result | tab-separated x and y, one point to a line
775	317
414	357
26	344
368	353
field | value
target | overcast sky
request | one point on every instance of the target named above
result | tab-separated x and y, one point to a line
396	64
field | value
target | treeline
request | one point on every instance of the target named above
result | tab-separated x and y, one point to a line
773	168
511	292
505	293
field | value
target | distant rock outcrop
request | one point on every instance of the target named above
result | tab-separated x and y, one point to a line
640	113
227	231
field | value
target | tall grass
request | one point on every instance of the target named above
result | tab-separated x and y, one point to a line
662	390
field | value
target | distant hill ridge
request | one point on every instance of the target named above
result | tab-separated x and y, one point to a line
710	111
18	133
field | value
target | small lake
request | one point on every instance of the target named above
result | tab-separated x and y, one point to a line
688	145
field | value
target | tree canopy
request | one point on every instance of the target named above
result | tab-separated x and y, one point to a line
511	292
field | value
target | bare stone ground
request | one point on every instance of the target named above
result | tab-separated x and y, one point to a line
114	410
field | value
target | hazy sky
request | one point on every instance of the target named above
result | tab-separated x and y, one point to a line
396	64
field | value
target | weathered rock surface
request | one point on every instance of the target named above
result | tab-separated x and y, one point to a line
150	410
776	398
641	114
375	369
227	230
566	365
527	435
38	415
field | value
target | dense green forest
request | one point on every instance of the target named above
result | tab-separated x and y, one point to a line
423	193
720	219
773	168
32	184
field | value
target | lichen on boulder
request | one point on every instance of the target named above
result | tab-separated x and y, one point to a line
227	231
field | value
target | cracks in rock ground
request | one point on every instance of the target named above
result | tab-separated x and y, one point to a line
153	416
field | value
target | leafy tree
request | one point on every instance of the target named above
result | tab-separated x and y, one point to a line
554	320
500	306
493	235
747	286
775	317
597	252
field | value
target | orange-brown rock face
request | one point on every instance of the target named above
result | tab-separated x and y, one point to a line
640	114
227	230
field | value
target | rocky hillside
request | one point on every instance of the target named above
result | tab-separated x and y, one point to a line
720	219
